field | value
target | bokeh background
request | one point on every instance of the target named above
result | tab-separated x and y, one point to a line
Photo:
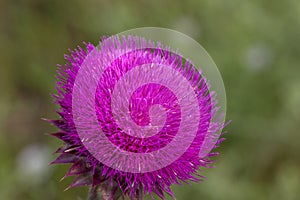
254	43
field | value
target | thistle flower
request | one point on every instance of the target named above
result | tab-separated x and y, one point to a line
136	117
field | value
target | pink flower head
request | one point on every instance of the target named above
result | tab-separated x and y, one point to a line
135	116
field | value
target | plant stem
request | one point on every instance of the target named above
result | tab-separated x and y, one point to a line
93	194
107	191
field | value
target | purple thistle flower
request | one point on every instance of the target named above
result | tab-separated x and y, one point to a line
136	118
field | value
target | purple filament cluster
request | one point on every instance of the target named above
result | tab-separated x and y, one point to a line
150	105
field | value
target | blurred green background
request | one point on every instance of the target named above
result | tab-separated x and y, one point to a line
254	43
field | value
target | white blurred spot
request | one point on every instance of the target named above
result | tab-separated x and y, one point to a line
32	163
258	57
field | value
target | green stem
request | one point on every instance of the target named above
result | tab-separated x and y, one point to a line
107	191
94	194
